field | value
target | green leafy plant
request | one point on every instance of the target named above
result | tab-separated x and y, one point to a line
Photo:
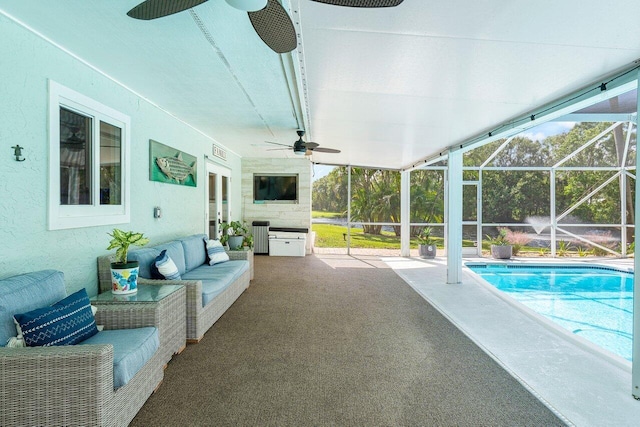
121	240
233	228
424	238
500	239
248	241
583	252
564	247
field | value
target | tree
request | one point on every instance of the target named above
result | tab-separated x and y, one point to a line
509	196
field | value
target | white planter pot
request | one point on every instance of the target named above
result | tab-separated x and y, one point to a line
501	251
124	277
427	251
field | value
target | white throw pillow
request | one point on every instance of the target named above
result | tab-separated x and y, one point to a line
216	252
17	341
166	267
94	310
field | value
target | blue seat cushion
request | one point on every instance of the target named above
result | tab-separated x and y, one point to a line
216	278
194	251
27	292
132	349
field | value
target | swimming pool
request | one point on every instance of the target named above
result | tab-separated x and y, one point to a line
593	302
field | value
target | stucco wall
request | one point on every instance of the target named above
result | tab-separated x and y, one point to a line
26	245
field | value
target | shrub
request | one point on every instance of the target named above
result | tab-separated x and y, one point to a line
564	246
517	239
602	239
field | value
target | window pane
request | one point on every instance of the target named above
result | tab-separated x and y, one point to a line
75	158
110	164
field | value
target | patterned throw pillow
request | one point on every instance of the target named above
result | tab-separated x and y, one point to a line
216	252
165	268
69	321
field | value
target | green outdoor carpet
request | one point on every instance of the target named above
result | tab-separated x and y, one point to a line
311	345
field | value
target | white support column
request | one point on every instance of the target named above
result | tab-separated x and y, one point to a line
635	367
349	210
405	213
552	213
623	212
479	214
454	217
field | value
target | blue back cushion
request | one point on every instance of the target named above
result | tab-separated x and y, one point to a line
68	321
26	292
146	257
194	251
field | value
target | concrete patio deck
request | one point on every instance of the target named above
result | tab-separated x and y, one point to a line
583	385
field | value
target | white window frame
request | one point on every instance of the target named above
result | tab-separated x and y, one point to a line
93	214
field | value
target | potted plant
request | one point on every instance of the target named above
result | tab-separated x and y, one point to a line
500	247
233	233
124	273
426	246
248	241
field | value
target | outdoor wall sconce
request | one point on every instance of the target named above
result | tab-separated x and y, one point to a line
17	151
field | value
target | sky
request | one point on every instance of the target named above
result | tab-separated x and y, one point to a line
320	171
544	130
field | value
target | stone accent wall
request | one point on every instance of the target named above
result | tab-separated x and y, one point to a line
279	215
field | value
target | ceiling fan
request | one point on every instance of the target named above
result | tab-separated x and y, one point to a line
301	147
268	17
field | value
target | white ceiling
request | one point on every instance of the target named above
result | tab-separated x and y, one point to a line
388	86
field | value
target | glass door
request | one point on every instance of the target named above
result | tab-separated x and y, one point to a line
218	206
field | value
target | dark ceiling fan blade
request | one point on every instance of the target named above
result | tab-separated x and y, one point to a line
274	27
362	3
325	150
277	143
152	9
310	145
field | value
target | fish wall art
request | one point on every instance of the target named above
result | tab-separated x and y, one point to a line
170	165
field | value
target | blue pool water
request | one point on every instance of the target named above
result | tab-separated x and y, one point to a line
595	303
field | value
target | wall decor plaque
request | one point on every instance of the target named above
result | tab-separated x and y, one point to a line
170	165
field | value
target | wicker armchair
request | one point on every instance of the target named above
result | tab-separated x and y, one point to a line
70	386
73	385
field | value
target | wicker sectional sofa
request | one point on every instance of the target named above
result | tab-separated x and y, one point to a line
74	385
211	289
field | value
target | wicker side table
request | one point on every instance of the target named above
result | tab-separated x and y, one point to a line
247	255
162	306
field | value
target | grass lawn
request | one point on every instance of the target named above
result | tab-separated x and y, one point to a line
322	214
332	236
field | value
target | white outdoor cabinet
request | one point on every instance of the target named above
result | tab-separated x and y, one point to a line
287	243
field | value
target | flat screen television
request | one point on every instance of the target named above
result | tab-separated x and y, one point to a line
275	188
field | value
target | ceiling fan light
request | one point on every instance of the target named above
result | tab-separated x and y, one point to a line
248	5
